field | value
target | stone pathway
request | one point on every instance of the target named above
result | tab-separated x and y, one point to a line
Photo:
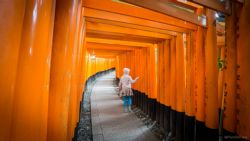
109	122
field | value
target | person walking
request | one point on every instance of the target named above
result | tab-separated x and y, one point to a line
125	89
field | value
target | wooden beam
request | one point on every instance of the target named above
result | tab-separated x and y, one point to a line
164	8
121	37
132	26
124	30
138	12
105	52
117	42
214	4
106	56
187	5
93	13
90	45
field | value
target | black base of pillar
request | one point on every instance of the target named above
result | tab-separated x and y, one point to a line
139	100
134	97
166	120
211	134
158	112
200	130
173	123
189	125
180	126
146	105
162	115
149	107
153	109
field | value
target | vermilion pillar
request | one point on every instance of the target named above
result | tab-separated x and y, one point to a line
11	13
189	120
243	87
166	65
117	68
161	87
160	73
189	79
29	120
230	72
180	87
173	86
167	72
180	73
199	82
200	75
81	64
84	60
73	107
211	74
63	55
152	72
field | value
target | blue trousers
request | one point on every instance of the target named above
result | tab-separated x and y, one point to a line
127	101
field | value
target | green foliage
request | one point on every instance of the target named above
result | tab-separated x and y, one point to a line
221	64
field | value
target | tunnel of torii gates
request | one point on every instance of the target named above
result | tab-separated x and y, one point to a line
192	58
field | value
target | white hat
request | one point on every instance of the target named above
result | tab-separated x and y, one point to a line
126	70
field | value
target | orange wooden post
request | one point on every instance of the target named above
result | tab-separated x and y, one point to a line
74	106
180	73
121	64
180	87
136	85
117	68
189	121
149	72
229	121
167	105
81	61
211	74
133	63
161	88
145	71
152	72
65	33
200	77
167	72
199	82
160	74
29	120
156	72
10	37
172	73
243	88
173	86
140	70
88	65
189	79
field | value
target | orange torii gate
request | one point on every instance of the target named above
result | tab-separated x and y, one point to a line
46	49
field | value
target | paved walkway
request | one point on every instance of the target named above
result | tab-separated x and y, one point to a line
109	122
